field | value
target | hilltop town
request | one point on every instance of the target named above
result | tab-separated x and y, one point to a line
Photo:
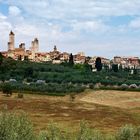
57	57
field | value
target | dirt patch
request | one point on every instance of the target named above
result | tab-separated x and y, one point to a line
101	109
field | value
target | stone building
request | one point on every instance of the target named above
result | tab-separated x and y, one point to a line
34	48
35	45
11	43
117	60
55	54
21	53
79	58
15	53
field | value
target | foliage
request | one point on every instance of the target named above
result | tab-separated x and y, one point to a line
71	61
115	67
1	58
53	133
15	127
62	78
127	132
7	89
28	72
98	64
51	88
85	133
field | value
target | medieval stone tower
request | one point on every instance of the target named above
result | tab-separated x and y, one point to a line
35	46
11	43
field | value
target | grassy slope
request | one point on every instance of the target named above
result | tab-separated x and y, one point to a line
43	109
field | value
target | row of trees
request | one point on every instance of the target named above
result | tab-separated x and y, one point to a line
51	88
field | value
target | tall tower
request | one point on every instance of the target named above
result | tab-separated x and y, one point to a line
11	43
36	45
55	48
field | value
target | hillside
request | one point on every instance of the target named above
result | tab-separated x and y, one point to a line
63	78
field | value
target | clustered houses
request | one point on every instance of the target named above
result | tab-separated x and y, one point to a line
123	62
105	62
127	62
56	57
79	58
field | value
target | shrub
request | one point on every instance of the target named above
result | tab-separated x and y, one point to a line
137	133
13	127
86	133
7	89
133	86
20	95
91	86
124	86
97	85
126	133
53	133
18	127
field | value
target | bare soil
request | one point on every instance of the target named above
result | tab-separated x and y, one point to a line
105	110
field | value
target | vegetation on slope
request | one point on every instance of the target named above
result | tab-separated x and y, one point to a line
61	78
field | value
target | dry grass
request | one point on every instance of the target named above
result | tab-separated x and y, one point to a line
121	99
105	110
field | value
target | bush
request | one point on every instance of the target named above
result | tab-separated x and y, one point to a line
91	86
86	133
7	89
18	127
13	127
124	86
53	133
46	88
20	95
126	133
133	86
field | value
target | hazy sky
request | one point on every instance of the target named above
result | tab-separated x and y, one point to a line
97	27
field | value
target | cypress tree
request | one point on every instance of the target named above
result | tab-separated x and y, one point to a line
98	64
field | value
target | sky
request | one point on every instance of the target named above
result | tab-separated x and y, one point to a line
104	28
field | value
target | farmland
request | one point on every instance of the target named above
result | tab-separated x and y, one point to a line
105	110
